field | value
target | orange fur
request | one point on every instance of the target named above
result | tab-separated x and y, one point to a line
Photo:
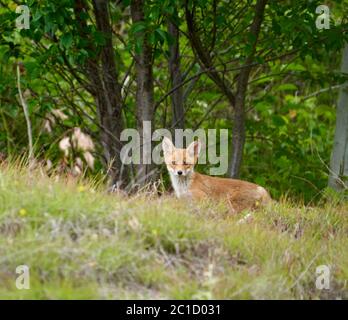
238	194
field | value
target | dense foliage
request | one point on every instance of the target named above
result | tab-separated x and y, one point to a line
177	64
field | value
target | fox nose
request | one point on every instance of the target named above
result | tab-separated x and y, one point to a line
179	172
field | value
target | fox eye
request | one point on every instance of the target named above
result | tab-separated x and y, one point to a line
184	163
173	163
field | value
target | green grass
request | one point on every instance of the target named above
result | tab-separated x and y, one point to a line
82	243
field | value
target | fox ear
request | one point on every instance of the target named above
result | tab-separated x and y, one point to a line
194	148
167	145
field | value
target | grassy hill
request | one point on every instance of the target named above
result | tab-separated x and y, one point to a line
80	242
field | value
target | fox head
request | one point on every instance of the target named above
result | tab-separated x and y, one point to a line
180	162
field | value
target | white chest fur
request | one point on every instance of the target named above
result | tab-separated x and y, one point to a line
181	184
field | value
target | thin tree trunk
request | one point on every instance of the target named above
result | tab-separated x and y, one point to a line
338	178
105	88
26	115
238	138
177	100
111	100
236	100
144	95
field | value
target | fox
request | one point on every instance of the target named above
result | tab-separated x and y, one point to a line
239	195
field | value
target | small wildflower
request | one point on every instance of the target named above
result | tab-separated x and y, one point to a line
92	264
81	188
94	236
22	212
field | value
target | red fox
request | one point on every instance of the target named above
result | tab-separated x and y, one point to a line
239	195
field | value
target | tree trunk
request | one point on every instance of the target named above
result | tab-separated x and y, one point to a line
338	178
178	115
236	100
105	88
144	95
238	138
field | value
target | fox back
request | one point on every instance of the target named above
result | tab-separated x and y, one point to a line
238	194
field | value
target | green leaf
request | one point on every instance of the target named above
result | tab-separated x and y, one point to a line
37	15
161	35
286	87
66	40
138	27
138	45
278	121
296	67
99	38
